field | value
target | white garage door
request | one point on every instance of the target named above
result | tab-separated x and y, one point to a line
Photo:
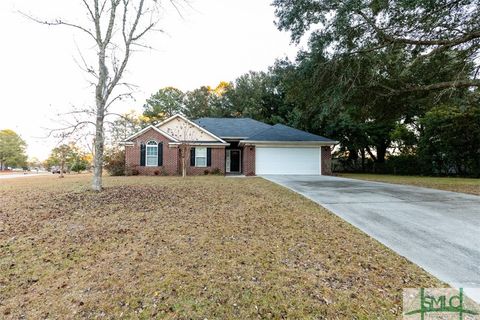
287	160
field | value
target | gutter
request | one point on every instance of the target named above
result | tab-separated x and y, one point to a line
234	138
290	143
200	144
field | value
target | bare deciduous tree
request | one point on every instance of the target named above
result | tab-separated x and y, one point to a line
116	27
185	133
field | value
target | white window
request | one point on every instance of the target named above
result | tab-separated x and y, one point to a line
200	157
151	154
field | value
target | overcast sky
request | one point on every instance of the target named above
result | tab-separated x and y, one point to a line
215	40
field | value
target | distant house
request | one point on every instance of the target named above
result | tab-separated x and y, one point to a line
227	146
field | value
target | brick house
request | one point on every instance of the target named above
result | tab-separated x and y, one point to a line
226	146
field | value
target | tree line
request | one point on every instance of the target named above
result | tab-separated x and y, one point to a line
396	82
68	156
428	133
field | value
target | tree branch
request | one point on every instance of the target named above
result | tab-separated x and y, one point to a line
128	41
434	42
435	86
59	22
111	22
118	97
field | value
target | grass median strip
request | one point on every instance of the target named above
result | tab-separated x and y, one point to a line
464	185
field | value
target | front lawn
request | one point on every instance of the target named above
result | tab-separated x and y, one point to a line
203	247
464	185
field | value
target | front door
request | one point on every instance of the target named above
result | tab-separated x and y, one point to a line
233	160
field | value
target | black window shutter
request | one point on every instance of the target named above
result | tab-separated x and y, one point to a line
160	154
142	154
192	157
209	157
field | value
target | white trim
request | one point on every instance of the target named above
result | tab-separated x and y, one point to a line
169	119
206	157
320	148
148	128
289	144
278	160
207	144
234	138
229	162
192	123
146	153
228	155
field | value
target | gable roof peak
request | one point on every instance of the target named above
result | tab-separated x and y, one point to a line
151	127
193	124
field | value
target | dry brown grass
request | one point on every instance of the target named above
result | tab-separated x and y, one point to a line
204	247
464	185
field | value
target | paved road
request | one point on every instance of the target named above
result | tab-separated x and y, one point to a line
21	175
438	230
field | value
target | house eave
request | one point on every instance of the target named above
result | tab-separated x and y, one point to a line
206	144
234	138
192	123
165	134
288	143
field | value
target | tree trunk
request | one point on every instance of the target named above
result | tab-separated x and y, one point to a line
183	159
101	96
381	152
362	152
374	158
184	163
98	157
184	169
352	154
62	167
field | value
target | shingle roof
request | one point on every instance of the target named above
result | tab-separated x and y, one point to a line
280	132
252	130
232	127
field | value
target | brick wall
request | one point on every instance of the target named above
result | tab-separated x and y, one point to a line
326	161
171	157
218	161
248	161
170	154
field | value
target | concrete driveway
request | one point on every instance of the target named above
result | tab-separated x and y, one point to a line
438	230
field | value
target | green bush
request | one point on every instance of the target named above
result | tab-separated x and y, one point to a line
216	171
115	162
403	164
79	166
